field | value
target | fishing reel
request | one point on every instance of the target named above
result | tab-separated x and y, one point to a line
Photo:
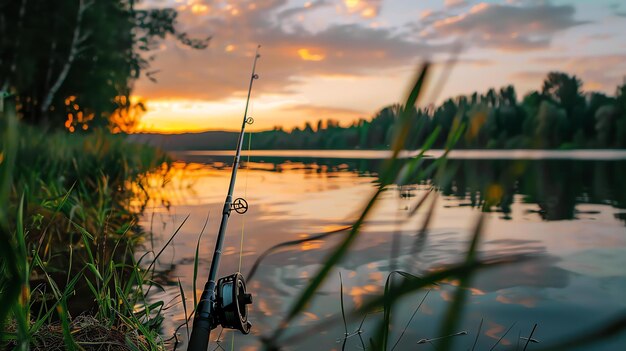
232	303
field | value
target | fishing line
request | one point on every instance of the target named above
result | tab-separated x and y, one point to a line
224	301
245	191
245	195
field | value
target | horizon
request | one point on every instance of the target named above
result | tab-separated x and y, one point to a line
345	60
345	123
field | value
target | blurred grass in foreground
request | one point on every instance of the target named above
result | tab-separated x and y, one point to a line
414	171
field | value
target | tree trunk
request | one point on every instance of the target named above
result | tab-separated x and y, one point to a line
77	40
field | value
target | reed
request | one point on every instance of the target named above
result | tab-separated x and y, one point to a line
69	207
415	171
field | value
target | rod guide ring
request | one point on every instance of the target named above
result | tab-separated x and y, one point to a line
240	205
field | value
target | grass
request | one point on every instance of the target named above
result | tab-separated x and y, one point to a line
414	171
392	170
69	207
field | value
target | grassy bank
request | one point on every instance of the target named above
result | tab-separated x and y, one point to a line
69	206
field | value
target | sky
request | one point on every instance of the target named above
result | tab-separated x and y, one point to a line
347	59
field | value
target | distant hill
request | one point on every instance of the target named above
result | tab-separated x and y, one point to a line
213	140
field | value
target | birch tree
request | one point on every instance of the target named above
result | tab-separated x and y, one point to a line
78	39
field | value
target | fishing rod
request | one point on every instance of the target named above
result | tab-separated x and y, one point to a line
226	301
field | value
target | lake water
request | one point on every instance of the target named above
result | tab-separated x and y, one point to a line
566	209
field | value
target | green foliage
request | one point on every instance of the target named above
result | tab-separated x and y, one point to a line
10	268
73	63
69	207
551	127
560	116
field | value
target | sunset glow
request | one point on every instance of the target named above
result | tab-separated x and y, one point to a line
306	55
308	46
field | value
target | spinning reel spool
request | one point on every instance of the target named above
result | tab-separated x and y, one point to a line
232	303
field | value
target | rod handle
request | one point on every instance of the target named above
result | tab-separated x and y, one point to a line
202	322
199	340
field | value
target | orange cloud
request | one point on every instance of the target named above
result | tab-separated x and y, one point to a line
365	8
351	3
454	3
368	12
307	55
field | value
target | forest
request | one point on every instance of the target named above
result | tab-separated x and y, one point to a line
559	116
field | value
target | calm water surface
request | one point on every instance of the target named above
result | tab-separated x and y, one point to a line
567	211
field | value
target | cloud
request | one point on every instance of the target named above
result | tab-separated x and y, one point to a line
507	26
307	7
616	9
475	62
531	76
290	55
455	3
598	72
323	109
595	38
364	8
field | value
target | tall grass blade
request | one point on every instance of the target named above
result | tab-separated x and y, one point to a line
400	135
602	331
453	314
502	337
272	249
9	271
530	337
480	327
57	210
407	287
156	257
410	320
343	311
70	344
196	262
21	310
182	297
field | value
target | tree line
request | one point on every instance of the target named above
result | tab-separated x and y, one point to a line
560	115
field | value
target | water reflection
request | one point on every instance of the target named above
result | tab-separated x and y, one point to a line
555	185
566	213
